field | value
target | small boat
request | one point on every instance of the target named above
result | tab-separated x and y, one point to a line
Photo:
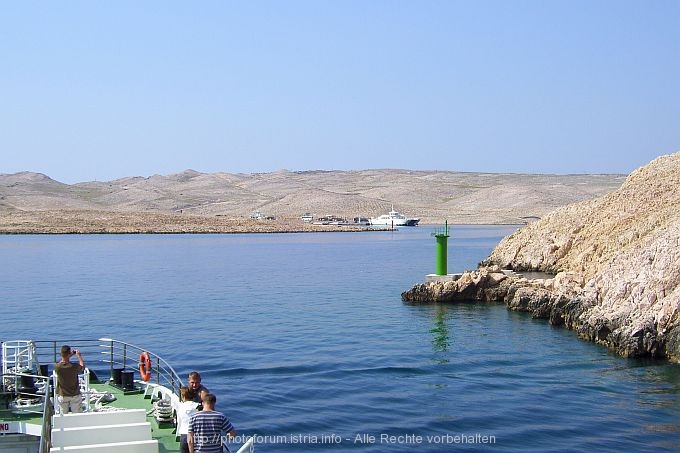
394	219
119	414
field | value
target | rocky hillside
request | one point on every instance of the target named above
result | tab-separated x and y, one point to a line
616	260
431	195
585	237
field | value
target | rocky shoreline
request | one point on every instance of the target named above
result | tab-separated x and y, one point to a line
107	222
616	266
558	300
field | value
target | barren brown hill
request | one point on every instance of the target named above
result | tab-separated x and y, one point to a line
433	196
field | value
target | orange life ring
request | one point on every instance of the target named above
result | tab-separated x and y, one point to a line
145	366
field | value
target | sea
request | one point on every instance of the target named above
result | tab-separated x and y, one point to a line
305	341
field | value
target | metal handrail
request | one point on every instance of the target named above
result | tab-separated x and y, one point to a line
9	384
110	354
46	432
442	231
14	389
103	353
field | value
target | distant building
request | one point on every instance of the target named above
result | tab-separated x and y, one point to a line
257	215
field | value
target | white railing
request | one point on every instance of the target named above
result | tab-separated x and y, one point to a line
24	361
126	356
46	431
18	357
107	355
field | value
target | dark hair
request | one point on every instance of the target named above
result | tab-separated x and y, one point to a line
66	349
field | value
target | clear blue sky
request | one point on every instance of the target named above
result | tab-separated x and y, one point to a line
94	90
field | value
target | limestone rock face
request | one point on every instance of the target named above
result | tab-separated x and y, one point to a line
584	237
616	260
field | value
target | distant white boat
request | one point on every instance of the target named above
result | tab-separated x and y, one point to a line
394	219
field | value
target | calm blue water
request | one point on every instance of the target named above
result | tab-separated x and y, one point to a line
305	335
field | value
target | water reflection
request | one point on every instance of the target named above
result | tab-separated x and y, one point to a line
440	335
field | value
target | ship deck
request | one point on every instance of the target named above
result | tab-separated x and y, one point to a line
165	433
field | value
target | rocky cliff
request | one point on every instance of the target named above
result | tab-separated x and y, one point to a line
616	261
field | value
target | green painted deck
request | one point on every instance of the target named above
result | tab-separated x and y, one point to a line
6	415
165	434
168	442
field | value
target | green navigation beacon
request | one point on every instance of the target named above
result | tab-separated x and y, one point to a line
442	236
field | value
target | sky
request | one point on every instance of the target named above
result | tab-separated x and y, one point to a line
94	90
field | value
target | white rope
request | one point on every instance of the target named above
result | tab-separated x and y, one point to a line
99	398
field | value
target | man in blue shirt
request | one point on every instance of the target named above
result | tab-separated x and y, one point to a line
206	428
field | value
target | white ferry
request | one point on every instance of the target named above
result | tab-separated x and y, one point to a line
120	414
394	219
